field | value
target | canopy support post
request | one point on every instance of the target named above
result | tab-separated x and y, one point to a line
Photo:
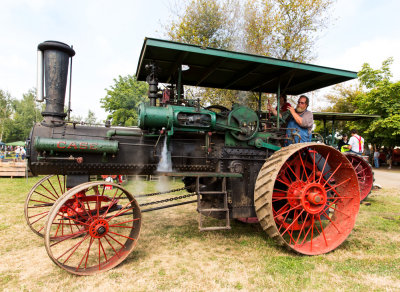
278	103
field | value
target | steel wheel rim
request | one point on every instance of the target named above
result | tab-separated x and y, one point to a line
364	174
40	200
95	228
313	200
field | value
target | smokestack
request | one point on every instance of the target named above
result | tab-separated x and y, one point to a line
54	60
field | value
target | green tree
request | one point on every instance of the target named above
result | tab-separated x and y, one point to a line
285	29
382	99
208	23
122	100
25	114
376	94
341	100
5	111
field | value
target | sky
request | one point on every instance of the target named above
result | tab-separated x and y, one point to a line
108	36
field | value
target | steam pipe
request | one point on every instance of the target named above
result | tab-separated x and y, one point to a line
114	132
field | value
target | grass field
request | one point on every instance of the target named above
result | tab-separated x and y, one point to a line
173	255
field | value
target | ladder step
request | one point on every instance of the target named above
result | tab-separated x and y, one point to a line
214	228
212	193
214	210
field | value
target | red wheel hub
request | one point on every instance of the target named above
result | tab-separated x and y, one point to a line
294	194
98	228
314	198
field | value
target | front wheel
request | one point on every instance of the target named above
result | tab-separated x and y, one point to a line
307	198
92	228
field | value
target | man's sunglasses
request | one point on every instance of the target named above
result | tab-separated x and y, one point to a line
301	102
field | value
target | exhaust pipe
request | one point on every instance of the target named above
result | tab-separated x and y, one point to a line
53	61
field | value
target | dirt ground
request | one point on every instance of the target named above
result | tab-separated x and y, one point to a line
387	178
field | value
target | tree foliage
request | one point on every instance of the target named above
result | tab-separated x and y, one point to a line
208	23
285	29
376	94
341	100
122	100
5	111
382	99
25	113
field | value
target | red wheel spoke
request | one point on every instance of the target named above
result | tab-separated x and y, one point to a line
302	229
117	224
337	168
333	188
322	229
323	168
59	183
277	212
75	219
312	231
73	248
119	213
330	220
292	171
66	237
115	240
55	197
45	214
283	182
293	222
112	200
51	199
86	253
279	191
111	246
304	168
53	188
283	221
38	215
104	252
121	235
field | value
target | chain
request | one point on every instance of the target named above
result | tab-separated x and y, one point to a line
168	200
161	193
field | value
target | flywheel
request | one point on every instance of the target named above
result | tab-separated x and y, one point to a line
307	198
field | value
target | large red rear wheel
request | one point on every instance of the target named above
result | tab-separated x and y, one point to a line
364	173
92	228
40	200
307	198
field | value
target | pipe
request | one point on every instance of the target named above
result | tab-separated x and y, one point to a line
114	132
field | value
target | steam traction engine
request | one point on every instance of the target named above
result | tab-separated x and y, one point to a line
232	161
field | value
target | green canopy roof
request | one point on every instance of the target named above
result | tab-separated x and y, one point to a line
17	143
216	68
330	116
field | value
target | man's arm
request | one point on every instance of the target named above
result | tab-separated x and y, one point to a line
296	116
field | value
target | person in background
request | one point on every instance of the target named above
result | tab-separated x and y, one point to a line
356	143
376	158
17	153
389	158
343	142
23	153
284	106
283	103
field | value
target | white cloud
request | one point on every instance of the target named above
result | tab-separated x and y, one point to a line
373	52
